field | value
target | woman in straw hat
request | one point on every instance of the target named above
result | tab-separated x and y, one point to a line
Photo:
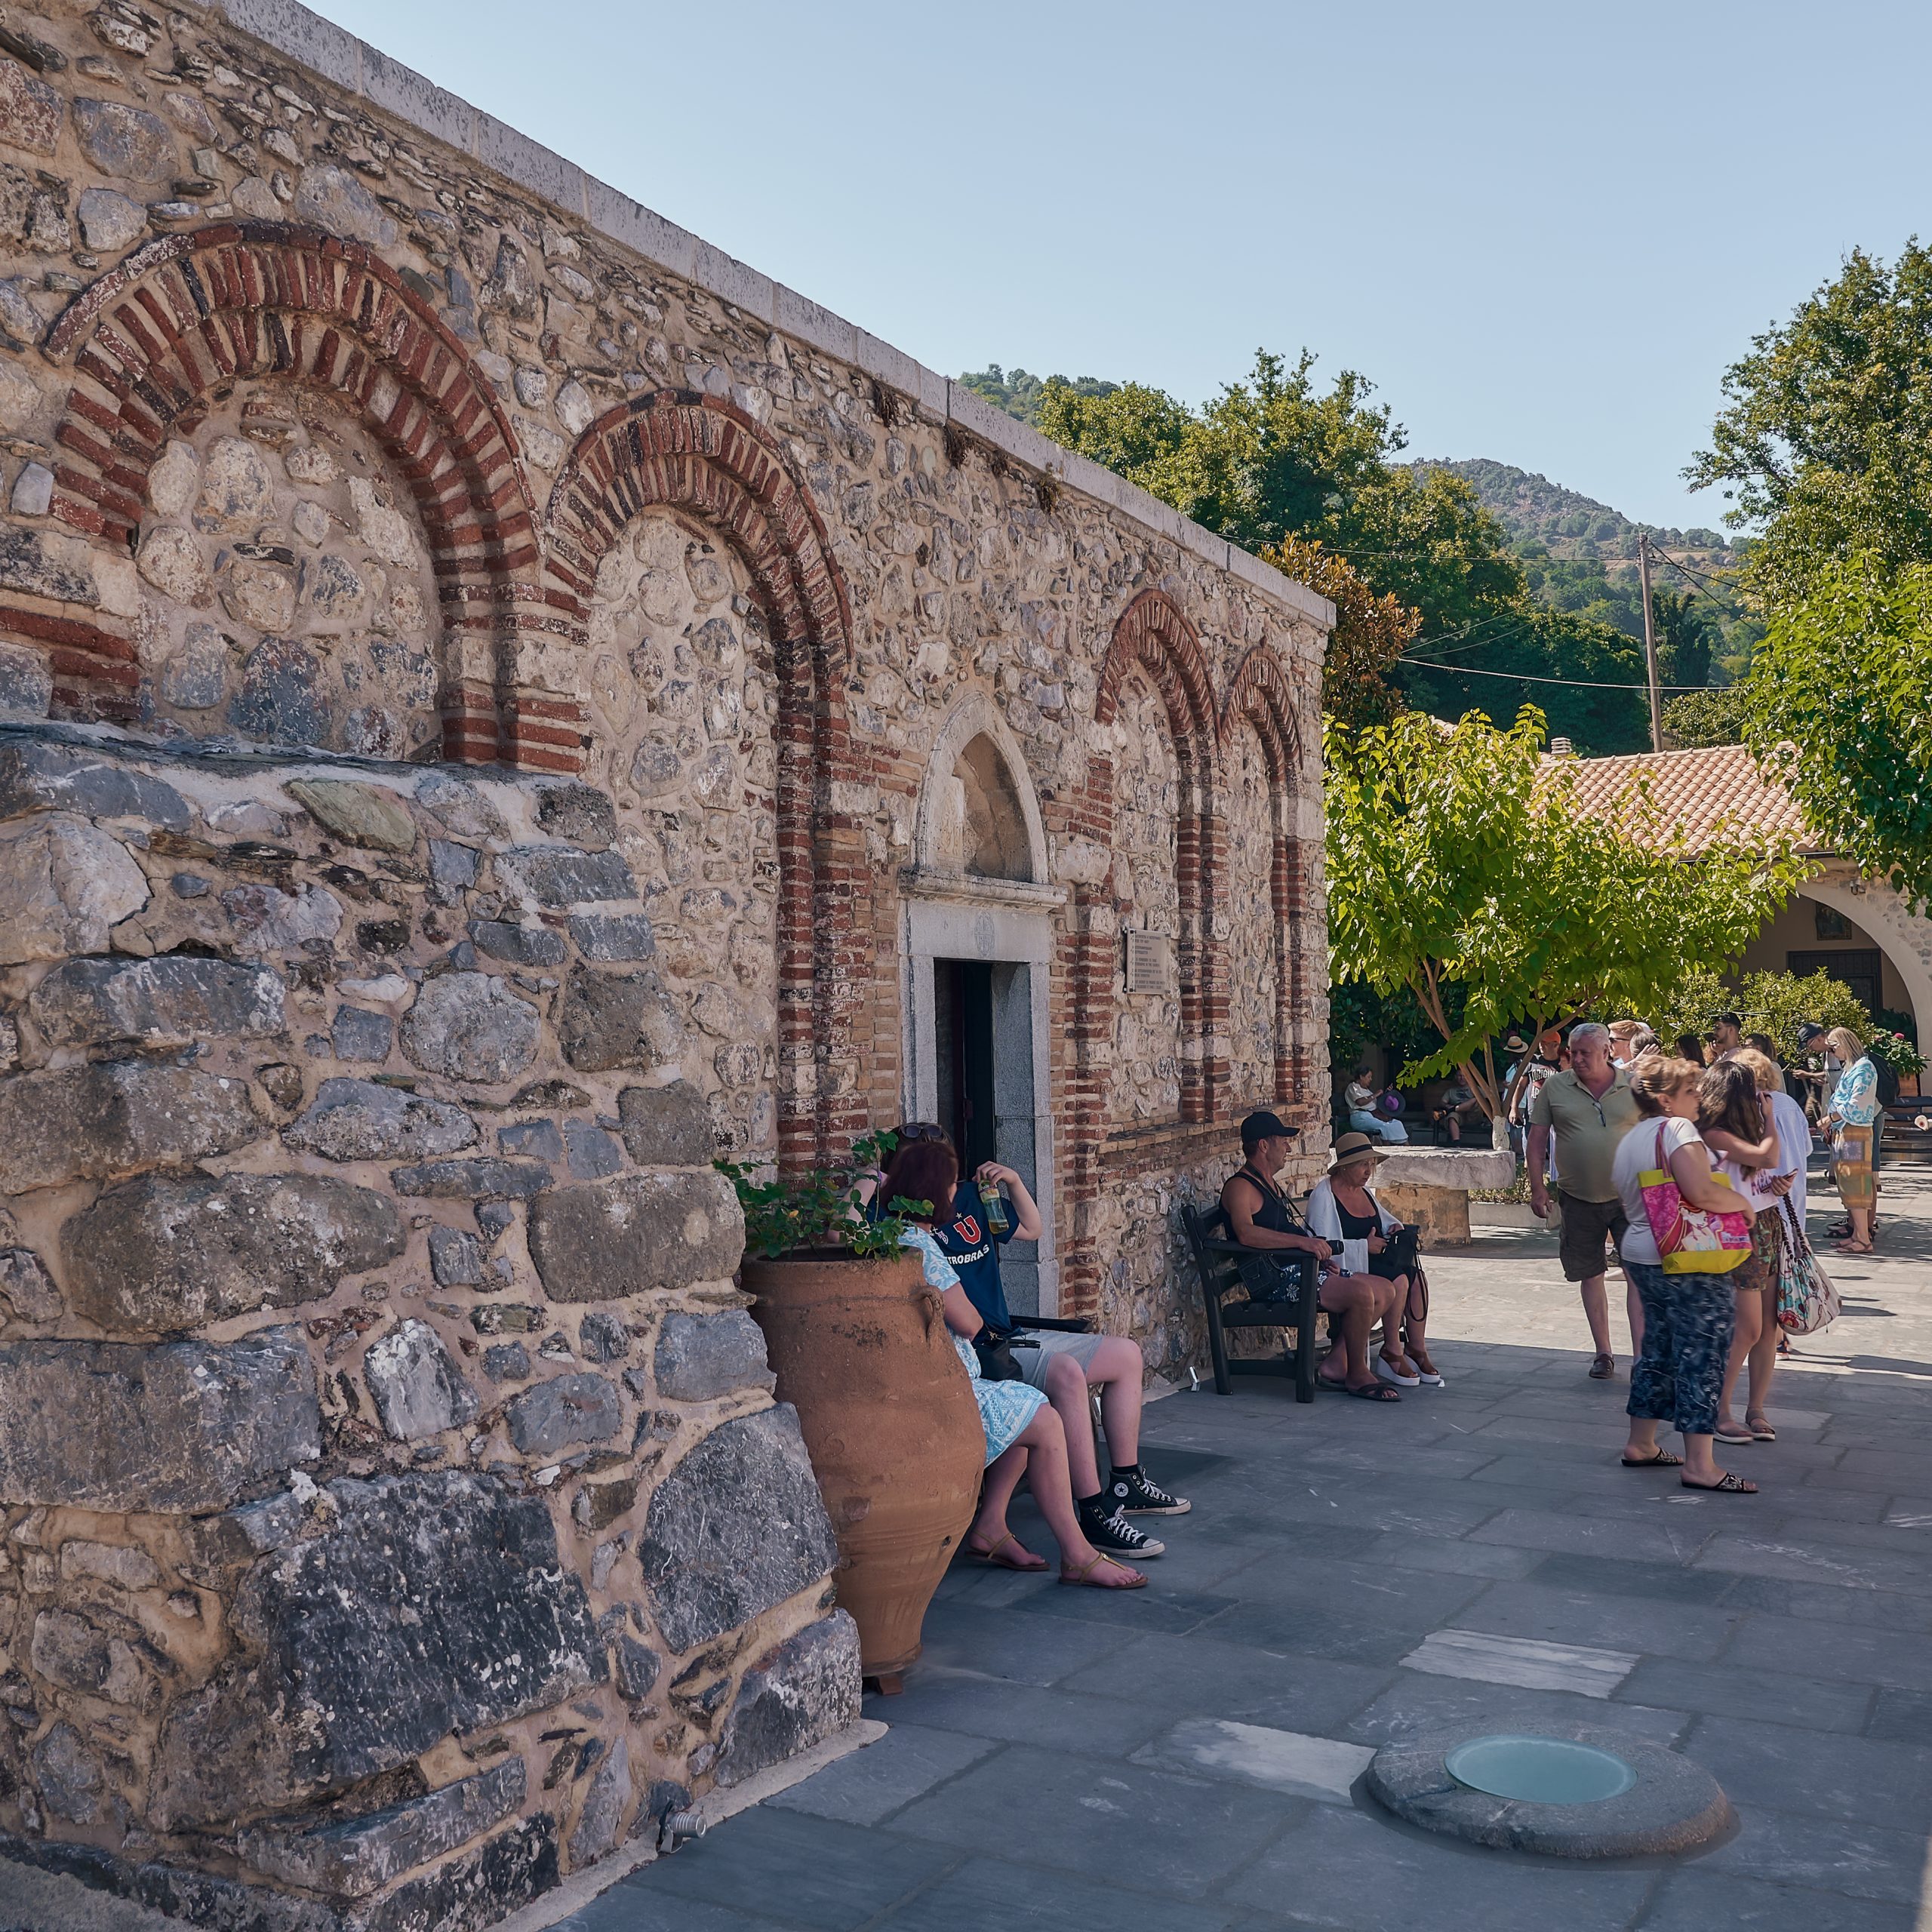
1344	1214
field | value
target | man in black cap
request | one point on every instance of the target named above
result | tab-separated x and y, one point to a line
1810	1041
1259	1217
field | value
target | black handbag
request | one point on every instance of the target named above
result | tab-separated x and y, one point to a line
995	1350
1267	1279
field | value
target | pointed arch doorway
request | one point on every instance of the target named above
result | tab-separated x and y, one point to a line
976	954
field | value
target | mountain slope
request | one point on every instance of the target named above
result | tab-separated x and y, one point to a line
1567	523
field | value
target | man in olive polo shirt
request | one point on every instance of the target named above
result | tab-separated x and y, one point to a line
1589	1109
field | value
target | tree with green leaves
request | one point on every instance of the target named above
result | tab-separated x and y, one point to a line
1840	710
1697	719
1458	857
1777	1004
1277	456
1825	445
1370	632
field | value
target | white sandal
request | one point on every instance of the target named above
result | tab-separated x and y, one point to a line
1386	1371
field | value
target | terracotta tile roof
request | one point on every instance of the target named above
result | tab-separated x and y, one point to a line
1699	789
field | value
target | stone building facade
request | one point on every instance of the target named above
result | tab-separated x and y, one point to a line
499	703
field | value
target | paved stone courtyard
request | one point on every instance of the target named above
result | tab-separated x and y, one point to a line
1181	1759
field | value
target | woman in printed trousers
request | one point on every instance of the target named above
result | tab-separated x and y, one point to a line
1688	1318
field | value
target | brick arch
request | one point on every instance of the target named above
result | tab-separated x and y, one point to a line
153	338
678	449
1260	695
1151	635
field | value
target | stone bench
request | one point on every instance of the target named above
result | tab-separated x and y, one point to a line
1429	1187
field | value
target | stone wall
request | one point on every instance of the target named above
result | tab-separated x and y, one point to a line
395	1508
477	658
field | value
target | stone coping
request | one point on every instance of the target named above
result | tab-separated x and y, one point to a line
1464	1167
339	57
1675	1806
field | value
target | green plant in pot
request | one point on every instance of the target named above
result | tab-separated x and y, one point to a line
817	1212
859	1344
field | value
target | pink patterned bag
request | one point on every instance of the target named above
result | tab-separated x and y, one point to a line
1691	1241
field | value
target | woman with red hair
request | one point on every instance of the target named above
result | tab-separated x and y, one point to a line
1024	1436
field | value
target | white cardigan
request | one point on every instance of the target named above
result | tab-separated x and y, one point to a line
1325	1218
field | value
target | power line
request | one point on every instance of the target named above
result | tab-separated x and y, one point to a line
1526	678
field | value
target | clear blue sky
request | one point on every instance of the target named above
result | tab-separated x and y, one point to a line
1543	230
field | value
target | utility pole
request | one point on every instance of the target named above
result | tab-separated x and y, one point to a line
1651	643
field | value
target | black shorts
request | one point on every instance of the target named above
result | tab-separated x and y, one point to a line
1587	1226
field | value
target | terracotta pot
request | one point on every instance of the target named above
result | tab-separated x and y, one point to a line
861	1348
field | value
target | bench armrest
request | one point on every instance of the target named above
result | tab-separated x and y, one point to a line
1075	1324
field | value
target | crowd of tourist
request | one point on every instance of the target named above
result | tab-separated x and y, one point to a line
1688	1170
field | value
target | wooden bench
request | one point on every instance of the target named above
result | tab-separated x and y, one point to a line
1217	1258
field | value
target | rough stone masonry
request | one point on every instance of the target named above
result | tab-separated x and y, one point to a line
483	679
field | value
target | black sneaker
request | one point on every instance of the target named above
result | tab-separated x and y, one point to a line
1113	1535
1135	1495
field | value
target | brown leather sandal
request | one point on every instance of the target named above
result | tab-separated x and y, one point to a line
992	1558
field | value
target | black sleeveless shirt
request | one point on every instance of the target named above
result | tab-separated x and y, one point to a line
1274	1214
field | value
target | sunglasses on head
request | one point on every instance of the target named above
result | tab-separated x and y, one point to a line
921	1130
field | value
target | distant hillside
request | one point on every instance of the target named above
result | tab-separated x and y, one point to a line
1018	393
1568	524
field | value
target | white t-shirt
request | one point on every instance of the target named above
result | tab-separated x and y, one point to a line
1793	1133
1637	1153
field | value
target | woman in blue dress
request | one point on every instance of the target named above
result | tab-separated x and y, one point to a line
1024	1436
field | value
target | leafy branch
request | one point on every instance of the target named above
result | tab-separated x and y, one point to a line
784	1213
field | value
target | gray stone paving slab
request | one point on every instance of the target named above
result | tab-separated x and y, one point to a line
811	1872
1696	1900
1848	1778
1663	1540
1901	1717
1040	1807
1698	1632
1791	1552
1452	1559
985	1893
1030	1650
1871	1609
1417	1702
1831	1650
1199	1675
1349	1870
1105	1726
1756	1688
1855	1859
1611	1576
870	1785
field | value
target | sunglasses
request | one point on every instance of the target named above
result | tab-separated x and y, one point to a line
921	1130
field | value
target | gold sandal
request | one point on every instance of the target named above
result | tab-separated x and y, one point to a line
992	1558
1084	1575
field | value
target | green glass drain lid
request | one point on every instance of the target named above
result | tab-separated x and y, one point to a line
1538	1771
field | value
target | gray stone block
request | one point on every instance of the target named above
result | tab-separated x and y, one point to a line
364	815
463	810
166	1252
559	1414
561	876
451	866
794	1697
417	1389
667	1126
519	945
25	565
736	1527
593	1154
65	884
359	1034
533	1139
612	1020
39	777
456	1257
700	1356
433	1604
362	1120
483	1179
26	1293
89	1123
579	812
614	936
470	1026
636	1669
637	1234
167	1001
352	1857
506	1361
185	1426
600	1824
603	1337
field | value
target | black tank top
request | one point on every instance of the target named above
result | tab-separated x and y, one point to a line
1275	1214
1357	1227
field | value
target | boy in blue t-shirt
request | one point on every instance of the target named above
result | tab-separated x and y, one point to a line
1062	1366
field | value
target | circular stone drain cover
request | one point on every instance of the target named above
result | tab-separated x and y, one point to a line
1563	1793
1543	1770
